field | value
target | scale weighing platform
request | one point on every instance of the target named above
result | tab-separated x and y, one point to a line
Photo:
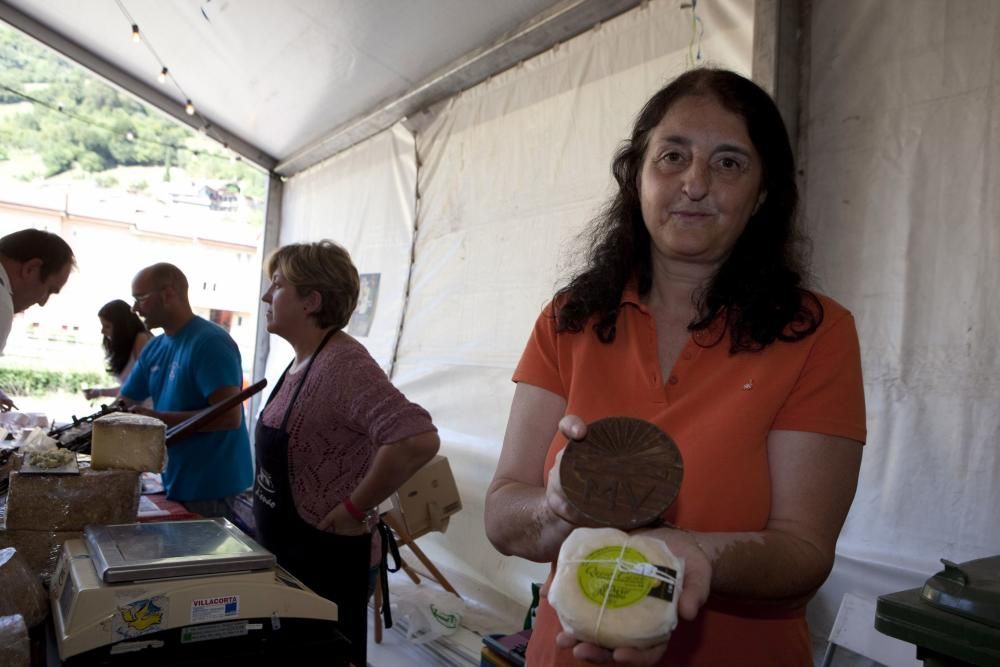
185	593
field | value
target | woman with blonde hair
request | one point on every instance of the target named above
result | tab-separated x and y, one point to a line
335	438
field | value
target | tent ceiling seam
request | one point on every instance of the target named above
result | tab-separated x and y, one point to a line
558	24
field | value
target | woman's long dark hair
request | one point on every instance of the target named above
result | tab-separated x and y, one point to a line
758	286
125	326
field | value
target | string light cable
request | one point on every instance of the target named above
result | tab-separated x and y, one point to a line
697	32
164	71
129	136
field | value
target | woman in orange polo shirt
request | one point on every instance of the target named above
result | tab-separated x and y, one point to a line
691	313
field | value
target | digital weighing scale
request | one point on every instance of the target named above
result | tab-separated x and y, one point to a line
185	593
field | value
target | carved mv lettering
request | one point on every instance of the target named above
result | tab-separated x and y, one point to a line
630	493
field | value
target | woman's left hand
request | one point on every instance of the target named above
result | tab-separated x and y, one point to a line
697	581
342	523
626	655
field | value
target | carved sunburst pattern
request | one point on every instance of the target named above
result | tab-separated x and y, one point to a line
624	474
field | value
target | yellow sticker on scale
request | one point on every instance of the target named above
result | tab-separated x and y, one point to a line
628	588
140	617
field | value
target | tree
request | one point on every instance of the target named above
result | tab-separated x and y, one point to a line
81	121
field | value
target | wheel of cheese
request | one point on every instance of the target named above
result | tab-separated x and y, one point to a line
128	442
616	590
22	591
70	502
624	474
15	647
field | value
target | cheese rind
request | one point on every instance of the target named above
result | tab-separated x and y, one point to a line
15	647
69	502
22	591
615	589
126	441
40	548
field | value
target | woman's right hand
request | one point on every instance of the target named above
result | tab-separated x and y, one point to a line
527	514
91	393
573	428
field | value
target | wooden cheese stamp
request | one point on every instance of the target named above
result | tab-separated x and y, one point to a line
624	474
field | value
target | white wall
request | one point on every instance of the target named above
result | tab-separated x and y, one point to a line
364	199
903	205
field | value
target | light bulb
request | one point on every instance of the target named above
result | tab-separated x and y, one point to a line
162	76
135	33
189	108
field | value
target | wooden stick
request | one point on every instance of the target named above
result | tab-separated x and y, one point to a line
194	422
406	539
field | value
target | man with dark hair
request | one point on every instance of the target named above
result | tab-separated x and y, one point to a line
192	365
34	265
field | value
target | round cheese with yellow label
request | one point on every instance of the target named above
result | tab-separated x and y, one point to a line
616	589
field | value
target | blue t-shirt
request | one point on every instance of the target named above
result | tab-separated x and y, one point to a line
180	372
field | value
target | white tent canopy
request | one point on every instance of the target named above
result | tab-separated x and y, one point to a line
289	83
467	212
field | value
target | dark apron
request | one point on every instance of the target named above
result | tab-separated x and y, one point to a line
334	566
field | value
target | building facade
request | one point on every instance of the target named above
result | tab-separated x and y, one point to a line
113	236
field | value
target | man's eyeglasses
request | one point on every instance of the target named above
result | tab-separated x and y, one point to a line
142	298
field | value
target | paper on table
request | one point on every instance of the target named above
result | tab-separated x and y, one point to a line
148	508
151	482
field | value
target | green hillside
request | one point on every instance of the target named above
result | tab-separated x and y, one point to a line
55	114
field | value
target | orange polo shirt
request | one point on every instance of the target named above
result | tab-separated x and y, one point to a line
719	408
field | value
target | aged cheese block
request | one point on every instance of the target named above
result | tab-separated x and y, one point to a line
22	591
128	442
69	502
40	548
614	589
15	647
624	474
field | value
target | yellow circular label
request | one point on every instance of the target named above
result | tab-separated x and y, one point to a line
594	577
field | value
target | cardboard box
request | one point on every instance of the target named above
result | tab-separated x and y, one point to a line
429	498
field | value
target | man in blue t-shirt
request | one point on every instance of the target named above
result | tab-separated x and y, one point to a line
193	365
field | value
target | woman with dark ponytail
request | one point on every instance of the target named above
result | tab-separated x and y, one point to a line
124	337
